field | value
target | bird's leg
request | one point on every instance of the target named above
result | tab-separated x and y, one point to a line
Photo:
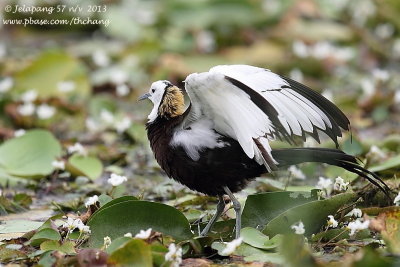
220	209
237	208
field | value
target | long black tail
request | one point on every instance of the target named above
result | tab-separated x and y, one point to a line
292	156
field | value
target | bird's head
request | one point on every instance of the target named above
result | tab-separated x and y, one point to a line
167	99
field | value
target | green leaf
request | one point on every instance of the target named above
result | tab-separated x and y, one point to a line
352	146
262	208
104	199
118	200
85	165
250	253
256	239
30	155
296	252
18	226
134	253
313	215
117	243
388	164
43	235
134	215
66	247
50	68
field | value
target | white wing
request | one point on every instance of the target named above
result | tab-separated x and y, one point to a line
253	105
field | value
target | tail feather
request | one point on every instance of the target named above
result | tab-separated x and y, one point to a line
293	156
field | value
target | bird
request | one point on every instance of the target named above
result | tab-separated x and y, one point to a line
221	140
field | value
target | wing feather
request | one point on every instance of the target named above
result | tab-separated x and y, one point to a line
252	105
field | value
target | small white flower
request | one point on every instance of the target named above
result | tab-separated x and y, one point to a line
106	242
100	58
355	213
174	255
58	164
205	41
384	31
397	97
66	86
92	125
296	172
123	125
85	229
106	116
357	225
71	224
19	132
128	235
29	96
77	148
376	154
6	84
368	86
144	234
231	246
26	109
324	183
91	201
380	75
298	228
122	90
300	49
397	200
116	180
45	111
340	185
332	222
118	76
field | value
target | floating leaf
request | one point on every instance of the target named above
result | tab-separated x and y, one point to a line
50	68
352	146
135	215
30	155
134	253
387	164
313	215
85	165
256	239
18	226
43	235
66	247
262	208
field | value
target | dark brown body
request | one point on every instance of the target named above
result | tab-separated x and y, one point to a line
217	167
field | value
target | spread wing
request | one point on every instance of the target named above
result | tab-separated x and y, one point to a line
254	105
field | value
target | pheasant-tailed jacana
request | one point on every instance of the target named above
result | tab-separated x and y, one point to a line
221	141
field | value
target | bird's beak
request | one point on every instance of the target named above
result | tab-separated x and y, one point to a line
145	96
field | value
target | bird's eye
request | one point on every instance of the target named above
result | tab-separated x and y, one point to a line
153	90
